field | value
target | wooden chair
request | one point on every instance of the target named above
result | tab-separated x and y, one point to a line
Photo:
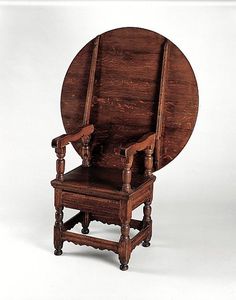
129	104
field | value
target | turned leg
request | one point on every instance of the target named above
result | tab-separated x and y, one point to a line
147	221
86	151
58	227
85	223
148	162
127	174
125	242
60	163
147	205
58	243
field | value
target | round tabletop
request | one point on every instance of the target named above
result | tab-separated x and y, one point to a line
143	82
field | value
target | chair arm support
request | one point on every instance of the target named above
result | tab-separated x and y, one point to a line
64	139
145	143
59	143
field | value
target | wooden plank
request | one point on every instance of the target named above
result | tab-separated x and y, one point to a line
89	94
117	111
181	105
76	82
144	195
133	66
133	88
89	203
97	243
160	113
119	132
123	50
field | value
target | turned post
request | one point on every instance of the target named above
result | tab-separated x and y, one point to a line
127	174
86	151
58	227
147	220
124	248
60	163
148	161
147	210
57	230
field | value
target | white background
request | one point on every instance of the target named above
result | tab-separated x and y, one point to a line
193	251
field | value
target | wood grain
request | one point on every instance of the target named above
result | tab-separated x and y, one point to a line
126	94
139	93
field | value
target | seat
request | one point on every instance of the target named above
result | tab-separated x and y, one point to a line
129	104
94	179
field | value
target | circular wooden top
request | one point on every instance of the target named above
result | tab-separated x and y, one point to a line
143	83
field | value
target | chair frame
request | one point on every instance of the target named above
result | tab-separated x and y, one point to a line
121	216
175	117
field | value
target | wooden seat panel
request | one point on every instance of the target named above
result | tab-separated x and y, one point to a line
98	181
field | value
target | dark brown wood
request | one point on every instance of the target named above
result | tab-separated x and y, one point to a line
139	92
60	142
58	227
60	163
161	103
85	152
96	243
148	161
124	248
144	143
147	220
65	139
102	183
138	238
142	194
129	69
89	203
89	94
73	221
85	223
111	219
126	174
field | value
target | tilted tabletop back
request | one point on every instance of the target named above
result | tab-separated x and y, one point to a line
141	83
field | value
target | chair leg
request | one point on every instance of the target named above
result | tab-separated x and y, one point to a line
147	221
58	227
124	249
85	223
124	246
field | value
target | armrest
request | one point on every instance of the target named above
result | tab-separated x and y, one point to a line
145	143
62	140
147	140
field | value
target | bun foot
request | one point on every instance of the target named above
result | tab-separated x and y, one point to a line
58	252
124	267
146	244
85	230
